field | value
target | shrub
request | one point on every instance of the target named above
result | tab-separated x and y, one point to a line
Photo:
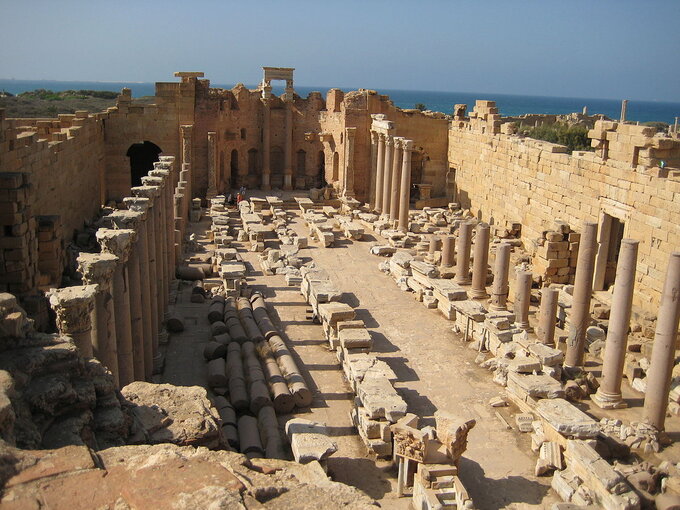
574	137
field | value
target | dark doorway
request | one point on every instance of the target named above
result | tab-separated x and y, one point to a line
321	176
142	157
254	178
276	162
615	238
336	167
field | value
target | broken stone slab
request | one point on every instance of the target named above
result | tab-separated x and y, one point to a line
448	290
424	268
549	458
567	419
472	309
380	399
535	386
309	440
382	250
452	431
547	355
522	364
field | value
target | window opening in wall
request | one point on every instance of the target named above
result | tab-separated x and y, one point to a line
243	133
142	157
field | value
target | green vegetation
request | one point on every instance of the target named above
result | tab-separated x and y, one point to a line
421	107
661	127
574	137
48	95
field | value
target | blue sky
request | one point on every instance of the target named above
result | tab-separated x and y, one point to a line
596	48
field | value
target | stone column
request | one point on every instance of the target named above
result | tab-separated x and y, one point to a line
350	134
288	148
119	243
266	145
161	242
97	269
583	290
500	289
168	219
608	395
387	176
547	317
405	198
448	250
185	176
141	206
480	262
434	246
379	176
374	156
186	134
131	220
148	194
396	179
74	307
660	369
522	300
463	253
212	165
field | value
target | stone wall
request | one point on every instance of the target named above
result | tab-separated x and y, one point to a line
507	178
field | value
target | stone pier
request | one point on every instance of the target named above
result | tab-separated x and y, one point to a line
119	243
463	253
74	307
405	198
97	269
583	290
608	395
660	369
522	300
480	262
500	289
547	316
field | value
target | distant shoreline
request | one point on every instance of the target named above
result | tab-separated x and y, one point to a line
508	104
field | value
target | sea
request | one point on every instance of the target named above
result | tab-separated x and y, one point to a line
508	105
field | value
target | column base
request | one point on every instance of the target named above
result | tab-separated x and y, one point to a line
478	294
463	281
497	308
447	272
524	327
608	401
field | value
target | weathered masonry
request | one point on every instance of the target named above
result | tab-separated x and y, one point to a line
72	165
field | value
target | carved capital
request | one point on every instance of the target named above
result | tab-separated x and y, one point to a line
116	242
139	205
407	145
148	192
186	130
73	306
97	268
122	218
389	141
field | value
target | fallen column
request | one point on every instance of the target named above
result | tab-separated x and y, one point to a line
583	290
608	395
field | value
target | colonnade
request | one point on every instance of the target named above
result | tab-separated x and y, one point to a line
392	183
288	137
117	315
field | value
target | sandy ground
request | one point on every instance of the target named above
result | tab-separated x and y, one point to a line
436	370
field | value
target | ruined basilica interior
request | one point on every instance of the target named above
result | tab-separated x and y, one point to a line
233	299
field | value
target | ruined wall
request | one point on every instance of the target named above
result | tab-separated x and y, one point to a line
507	178
65	160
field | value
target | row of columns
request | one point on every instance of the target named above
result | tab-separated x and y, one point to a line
392	171
117	315
608	396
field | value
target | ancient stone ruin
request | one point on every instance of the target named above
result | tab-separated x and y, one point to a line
233	299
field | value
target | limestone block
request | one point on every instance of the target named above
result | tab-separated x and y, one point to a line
309	440
534	386
355	338
547	355
331	313
380	399
567	419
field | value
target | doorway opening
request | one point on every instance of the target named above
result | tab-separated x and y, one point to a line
142	157
611	234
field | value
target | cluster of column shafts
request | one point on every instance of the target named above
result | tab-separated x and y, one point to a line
117	314
392	184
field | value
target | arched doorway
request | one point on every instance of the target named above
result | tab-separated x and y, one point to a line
232	178
142	157
254	177
301	170
276	162
321	174
336	167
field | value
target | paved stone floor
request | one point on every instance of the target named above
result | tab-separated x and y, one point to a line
435	369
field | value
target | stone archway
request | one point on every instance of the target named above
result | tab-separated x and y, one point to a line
142	157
